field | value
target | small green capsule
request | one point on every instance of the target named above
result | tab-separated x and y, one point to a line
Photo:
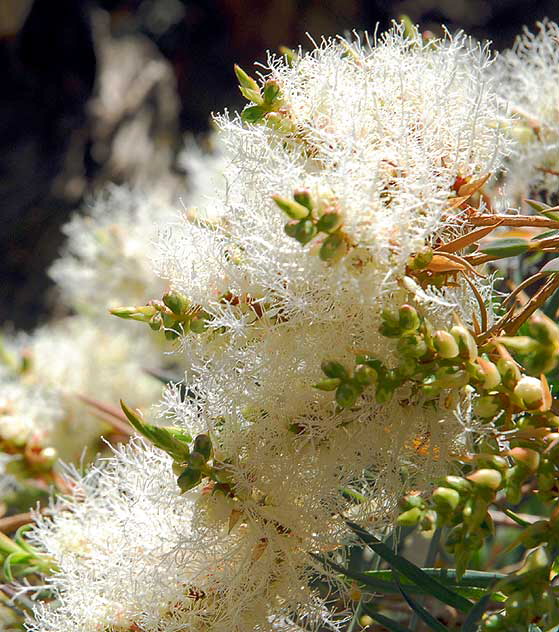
198	325
445	344
271	91
333	248
329	222
203	445
291	228
292	209
347	394
421	260
329	384
189	479
156	322
445	499
176	302
461	485
196	461
408	318
466	342
410	517
303	197
331	368
364	375
305	231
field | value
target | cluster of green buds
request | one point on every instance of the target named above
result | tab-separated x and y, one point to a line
267	101
309	219
529	597
191	464
435	362
174	314
537	346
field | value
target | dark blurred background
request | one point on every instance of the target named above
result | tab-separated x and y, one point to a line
92	91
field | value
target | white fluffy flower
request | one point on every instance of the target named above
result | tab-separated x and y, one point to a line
106	259
383	133
528	79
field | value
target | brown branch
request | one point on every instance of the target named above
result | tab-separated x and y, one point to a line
513	220
9	524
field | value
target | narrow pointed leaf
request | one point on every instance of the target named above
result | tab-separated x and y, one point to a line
412	572
509	247
423	614
388	623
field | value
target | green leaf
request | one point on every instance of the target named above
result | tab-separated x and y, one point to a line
245	80
170	440
543	208
510	247
189	479
425	616
253	114
546	234
12	560
551	266
251	95
388	623
471	622
411	571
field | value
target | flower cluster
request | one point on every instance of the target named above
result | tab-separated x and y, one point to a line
377	150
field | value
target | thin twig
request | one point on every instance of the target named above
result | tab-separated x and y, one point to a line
517	290
9	524
481	303
111	414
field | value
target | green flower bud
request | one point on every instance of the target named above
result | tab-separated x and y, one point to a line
364	375
156	322
244	79
490	479
198	325
271	91
490	374
329	384
390	325
305	231
510	373
520	344
291	228
412	346
410	517
303	197
347	394
461	485
544	330
408	318
333	248
529	458
466	343
445	499
196	461
176	302
189	479
292	209
331	368
445	344
421	260
529	391
449	377
141	314
203	445
408	502
487	406
329	222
